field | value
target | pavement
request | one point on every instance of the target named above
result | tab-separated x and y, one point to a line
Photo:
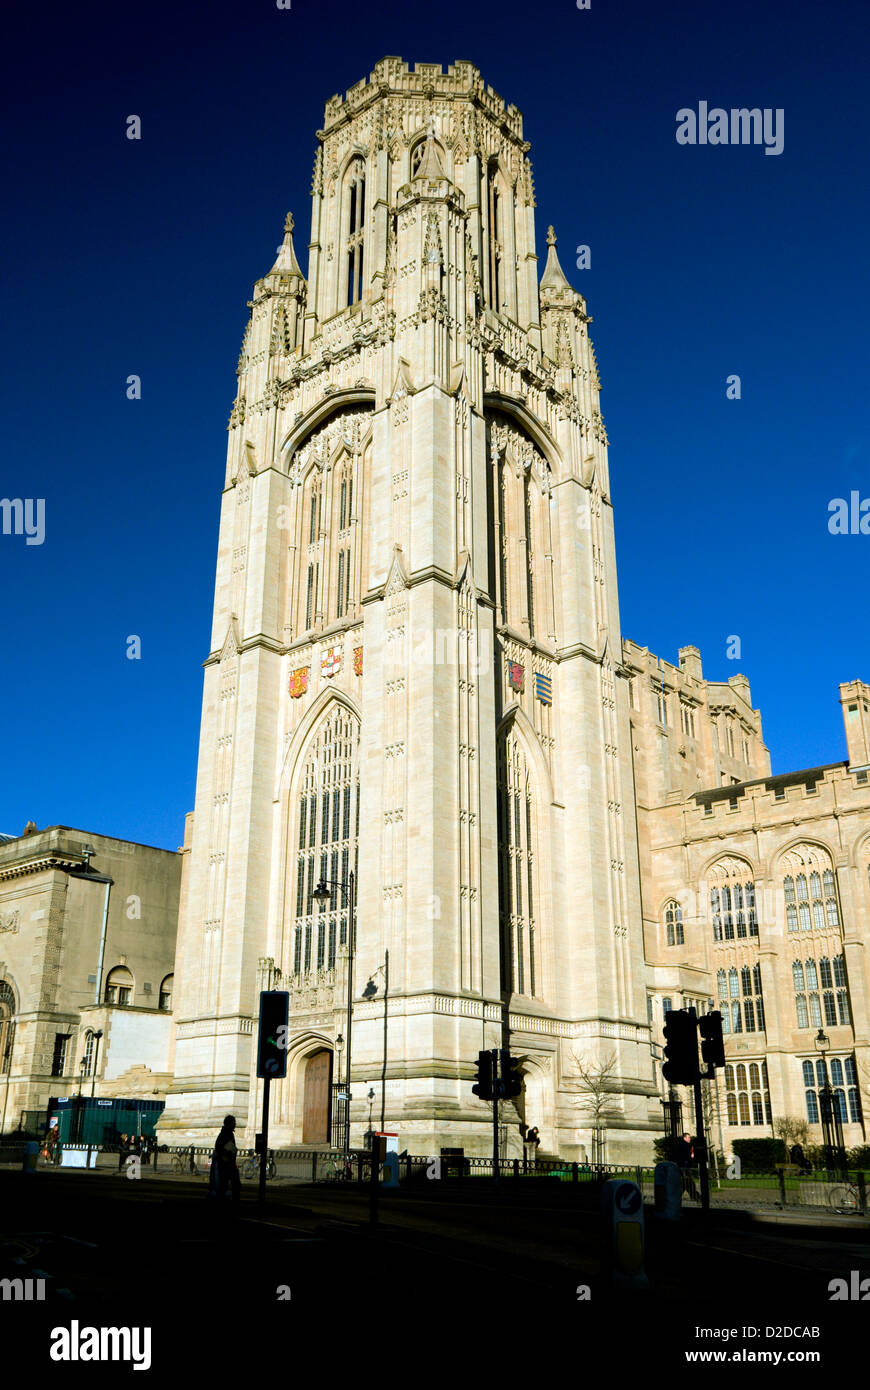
310	1261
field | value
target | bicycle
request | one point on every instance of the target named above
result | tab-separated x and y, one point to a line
338	1170
251	1166
844	1197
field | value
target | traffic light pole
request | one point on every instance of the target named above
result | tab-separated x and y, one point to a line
264	1156
702	1146
495	1089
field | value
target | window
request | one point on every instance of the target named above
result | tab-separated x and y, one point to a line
667	1004
119	986
518	870
732	902
674	924
842	1075
326	840
495	247
7	1026
662	706
810	899
58	1061
165	996
747	1094
355	193
88	1054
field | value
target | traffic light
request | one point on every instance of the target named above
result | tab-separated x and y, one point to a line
681	1032
712	1046
272	1040
511	1081
483	1076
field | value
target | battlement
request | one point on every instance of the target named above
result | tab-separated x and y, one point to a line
395	77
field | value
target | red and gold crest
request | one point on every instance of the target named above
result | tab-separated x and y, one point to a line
357	661
298	682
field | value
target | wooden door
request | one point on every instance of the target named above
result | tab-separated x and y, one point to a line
315	1107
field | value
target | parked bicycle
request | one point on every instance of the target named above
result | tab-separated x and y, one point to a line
844	1197
338	1170
251	1166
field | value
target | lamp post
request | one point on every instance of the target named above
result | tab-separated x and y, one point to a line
321	896
832	1125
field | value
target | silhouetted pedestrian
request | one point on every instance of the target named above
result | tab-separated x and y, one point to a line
224	1183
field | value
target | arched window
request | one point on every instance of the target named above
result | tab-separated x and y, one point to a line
7	1026
732	901
326	839
119	986
518	869
165	996
88	1054
355	203
495	234
812	1108
674	924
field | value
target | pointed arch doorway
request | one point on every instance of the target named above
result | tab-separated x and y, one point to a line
316	1093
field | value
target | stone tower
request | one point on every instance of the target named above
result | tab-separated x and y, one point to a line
416	666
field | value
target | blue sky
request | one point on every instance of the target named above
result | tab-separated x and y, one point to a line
125	257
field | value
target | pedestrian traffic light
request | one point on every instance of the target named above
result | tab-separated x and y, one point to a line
712	1046
483	1076
511	1081
681	1033
272	1041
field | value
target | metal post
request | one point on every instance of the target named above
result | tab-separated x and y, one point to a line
495	1086
862	1193
702	1147
264	1156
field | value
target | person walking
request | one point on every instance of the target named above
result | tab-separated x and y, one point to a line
123	1150
685	1158
223	1182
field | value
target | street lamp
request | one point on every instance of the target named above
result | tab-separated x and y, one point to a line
832	1124
321	896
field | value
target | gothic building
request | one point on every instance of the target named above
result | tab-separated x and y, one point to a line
532	834
416	688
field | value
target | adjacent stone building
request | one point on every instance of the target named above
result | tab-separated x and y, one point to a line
756	893
87	948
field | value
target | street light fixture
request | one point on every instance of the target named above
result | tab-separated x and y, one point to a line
832	1124
322	896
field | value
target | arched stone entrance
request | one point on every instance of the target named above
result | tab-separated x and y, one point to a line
317	1092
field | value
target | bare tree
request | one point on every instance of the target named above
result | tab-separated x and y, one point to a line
598	1084
791	1129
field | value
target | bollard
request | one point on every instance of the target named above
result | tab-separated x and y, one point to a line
781	1172
862	1193
31	1154
668	1191
622	1207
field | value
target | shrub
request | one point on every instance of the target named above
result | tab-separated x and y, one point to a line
859	1158
759	1155
665	1149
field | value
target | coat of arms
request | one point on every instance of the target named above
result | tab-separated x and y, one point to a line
357	661
298	682
330	661
516	674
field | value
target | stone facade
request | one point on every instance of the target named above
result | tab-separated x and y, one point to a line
416	669
70	966
785	952
417	690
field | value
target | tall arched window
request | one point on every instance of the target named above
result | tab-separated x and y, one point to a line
165	996
809	889
7	1026
674	923
327	821
88	1054
355	203
518	869
495	233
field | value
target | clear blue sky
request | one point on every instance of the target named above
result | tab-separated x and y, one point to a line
125	257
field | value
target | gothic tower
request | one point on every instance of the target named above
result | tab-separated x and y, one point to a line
416	668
